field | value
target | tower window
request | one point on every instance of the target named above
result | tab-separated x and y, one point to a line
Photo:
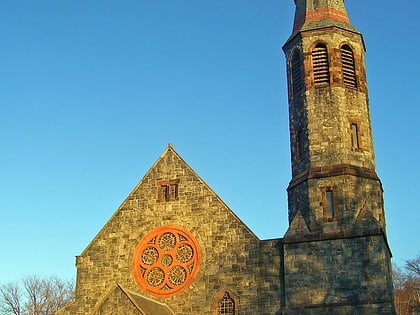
296	74
167	190
320	65
349	69
354	136
329	205
299	145
226	305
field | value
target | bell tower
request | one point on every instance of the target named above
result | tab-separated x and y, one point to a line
334	181
337	232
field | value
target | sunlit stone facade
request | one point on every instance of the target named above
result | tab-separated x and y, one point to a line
174	247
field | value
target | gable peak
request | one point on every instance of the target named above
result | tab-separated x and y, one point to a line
169	150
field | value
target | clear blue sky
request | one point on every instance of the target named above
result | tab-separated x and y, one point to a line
91	93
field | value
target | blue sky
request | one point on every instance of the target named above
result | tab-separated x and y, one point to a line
91	93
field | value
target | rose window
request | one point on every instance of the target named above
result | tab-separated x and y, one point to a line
166	261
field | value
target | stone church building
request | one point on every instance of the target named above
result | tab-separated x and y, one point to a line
174	247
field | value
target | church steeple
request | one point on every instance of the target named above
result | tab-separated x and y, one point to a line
313	14
330	129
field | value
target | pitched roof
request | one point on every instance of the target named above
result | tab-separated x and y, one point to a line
144	305
147	306
312	15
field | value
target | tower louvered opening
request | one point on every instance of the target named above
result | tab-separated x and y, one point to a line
296	74
349	69
320	65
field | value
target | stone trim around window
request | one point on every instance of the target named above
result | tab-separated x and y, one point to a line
166	261
329	204
355	136
167	190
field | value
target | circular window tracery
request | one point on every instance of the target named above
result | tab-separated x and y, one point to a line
167	241
149	256
184	253
166	261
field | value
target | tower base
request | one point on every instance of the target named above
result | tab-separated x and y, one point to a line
337	275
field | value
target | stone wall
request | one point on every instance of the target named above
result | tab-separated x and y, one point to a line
358	202
338	276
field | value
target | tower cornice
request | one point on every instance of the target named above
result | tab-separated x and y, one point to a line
333	170
308	31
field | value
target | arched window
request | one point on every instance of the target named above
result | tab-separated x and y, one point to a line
296	73
320	65
349	69
226	305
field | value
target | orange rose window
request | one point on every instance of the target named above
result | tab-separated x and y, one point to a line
166	261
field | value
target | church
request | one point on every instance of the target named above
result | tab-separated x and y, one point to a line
174	247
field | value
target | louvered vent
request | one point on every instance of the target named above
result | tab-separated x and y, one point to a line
320	64
297	78
349	71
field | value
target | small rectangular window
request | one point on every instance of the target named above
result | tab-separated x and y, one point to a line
174	191
329	206
299	145
354	136
167	190
163	194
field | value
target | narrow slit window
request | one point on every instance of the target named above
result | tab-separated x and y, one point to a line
174	191
329	205
296	74
320	65
300	145
163	194
348	66
354	136
226	305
